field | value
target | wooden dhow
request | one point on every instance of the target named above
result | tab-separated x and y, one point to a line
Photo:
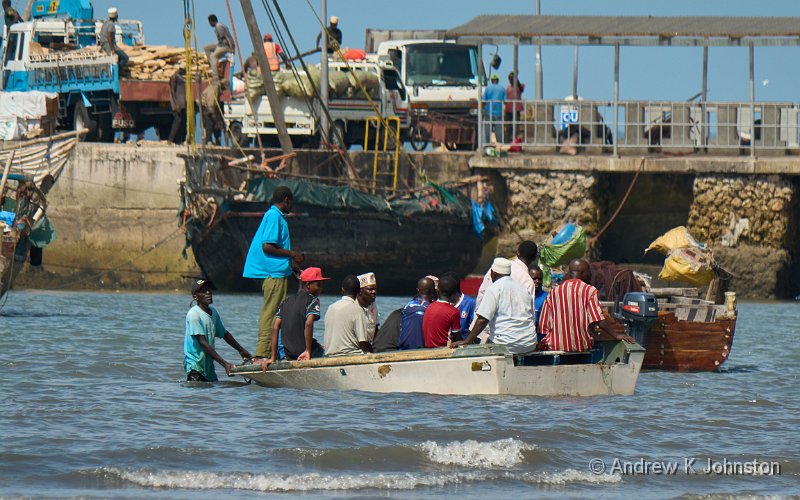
612	368
30	169
690	334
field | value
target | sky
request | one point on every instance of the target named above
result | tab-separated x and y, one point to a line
659	73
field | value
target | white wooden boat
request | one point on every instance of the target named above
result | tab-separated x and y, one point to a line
612	368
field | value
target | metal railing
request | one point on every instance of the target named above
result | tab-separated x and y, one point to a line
636	127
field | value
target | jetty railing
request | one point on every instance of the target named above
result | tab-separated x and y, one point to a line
639	127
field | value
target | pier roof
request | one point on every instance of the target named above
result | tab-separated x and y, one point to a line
629	30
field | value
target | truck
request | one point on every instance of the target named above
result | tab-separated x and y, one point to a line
441	76
56	51
349	113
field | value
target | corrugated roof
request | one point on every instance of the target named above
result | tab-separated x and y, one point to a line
605	29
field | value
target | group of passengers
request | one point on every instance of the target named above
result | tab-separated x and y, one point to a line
511	308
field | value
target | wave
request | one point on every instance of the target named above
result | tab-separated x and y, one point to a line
502	453
322	482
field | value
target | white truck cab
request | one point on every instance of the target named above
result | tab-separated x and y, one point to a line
441	76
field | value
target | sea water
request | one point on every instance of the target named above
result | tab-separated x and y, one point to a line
94	404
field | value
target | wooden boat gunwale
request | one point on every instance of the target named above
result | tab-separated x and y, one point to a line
470	370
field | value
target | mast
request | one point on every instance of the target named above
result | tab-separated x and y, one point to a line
323	74
266	76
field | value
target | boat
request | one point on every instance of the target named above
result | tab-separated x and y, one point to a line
611	368
690	334
30	169
344	229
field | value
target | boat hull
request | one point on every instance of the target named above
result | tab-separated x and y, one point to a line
13	255
491	374
398	250
681	345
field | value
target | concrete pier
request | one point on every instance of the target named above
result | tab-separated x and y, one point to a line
116	208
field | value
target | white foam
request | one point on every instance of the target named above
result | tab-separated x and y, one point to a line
503	453
571	476
320	482
291	482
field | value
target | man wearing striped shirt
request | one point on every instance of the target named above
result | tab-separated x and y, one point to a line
571	315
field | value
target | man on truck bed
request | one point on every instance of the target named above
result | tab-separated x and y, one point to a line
224	45
108	38
334	35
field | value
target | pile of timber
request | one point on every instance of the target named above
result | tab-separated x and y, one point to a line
147	62
159	62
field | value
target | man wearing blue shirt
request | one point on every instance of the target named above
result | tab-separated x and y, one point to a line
203	327
272	259
494	95
539	295
412	314
465	305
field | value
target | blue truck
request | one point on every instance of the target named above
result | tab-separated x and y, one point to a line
56	51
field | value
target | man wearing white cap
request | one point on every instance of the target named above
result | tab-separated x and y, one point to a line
366	299
334	35
108	38
508	307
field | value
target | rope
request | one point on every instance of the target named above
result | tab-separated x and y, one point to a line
593	239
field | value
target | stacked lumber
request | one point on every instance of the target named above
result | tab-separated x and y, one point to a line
159	62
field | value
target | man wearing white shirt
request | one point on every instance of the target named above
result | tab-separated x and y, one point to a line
508	308
527	253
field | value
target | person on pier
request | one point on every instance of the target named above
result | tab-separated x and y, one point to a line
412	315
271	259
203	327
346	323
294	321
508	307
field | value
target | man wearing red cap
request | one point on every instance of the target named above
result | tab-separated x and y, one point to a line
295	318
273	50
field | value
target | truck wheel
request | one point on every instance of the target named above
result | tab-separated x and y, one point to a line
419	138
80	119
237	136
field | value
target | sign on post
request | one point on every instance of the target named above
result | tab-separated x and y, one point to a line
569	116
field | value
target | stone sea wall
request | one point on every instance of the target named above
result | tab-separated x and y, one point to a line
751	224
750	221
540	202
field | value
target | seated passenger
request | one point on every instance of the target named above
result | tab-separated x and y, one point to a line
509	308
294	321
465	305
388	335
366	299
539	296
571	315
346	324
441	322
411	316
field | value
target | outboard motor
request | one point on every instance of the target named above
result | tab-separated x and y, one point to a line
637	313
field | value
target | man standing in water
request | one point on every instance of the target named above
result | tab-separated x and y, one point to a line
203	327
272	259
